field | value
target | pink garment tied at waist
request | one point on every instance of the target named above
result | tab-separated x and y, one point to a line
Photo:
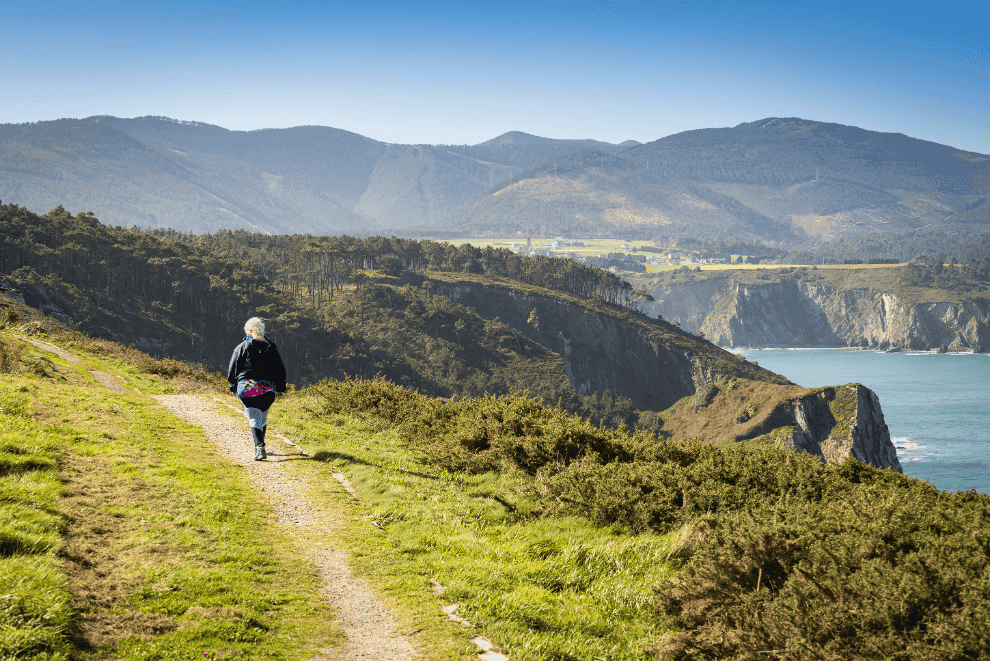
253	388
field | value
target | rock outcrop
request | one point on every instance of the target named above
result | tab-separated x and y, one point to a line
832	424
36	296
819	311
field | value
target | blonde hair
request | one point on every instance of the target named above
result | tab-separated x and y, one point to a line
255	327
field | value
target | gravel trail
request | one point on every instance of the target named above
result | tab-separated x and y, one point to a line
369	628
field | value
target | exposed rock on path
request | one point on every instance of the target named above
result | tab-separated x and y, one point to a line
369	628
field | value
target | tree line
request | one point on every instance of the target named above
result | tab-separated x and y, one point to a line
317	268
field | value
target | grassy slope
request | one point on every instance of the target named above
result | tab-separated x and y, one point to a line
157	545
721	420
143	544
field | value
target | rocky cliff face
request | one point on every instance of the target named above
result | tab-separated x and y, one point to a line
651	363
832	424
809	312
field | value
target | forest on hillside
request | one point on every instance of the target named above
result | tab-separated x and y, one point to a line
317	268
338	307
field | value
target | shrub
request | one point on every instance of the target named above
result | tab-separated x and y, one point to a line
9	317
40	366
10	357
513	432
785	557
875	575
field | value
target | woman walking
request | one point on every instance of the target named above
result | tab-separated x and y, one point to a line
256	374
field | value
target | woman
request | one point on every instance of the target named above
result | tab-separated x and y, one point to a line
256	374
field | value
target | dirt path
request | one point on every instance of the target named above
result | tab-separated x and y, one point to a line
107	380
48	346
368	626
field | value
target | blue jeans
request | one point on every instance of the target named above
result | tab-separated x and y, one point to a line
256	411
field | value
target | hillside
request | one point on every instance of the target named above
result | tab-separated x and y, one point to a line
785	182
190	176
484	321
173	300
135	526
914	306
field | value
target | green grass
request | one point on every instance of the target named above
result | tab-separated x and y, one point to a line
35	612
115	514
540	588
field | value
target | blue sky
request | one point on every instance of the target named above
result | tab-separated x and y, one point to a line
464	72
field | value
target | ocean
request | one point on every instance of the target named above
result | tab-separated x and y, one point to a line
937	406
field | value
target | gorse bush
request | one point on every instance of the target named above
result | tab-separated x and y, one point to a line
660	484
787	557
474	435
876	575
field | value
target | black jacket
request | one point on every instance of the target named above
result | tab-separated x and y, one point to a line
258	360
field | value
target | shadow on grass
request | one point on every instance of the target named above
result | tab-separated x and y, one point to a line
325	456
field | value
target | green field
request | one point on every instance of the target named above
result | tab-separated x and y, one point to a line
595	247
591	248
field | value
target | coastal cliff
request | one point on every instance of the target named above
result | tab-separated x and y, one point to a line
703	391
605	347
830	423
800	307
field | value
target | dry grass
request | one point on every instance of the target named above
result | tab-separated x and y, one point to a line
99	564
718	421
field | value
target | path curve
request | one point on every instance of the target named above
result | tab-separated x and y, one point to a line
369	629
105	379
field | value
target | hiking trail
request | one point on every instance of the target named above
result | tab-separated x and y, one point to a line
369	628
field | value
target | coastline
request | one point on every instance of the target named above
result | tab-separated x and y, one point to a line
935	405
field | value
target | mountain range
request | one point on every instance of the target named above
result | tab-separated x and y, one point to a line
787	182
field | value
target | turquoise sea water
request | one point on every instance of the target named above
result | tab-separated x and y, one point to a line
937	406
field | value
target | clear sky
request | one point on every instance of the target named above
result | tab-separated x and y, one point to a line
463	72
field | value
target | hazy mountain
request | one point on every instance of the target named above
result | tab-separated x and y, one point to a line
789	182
158	172
776	180
523	150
